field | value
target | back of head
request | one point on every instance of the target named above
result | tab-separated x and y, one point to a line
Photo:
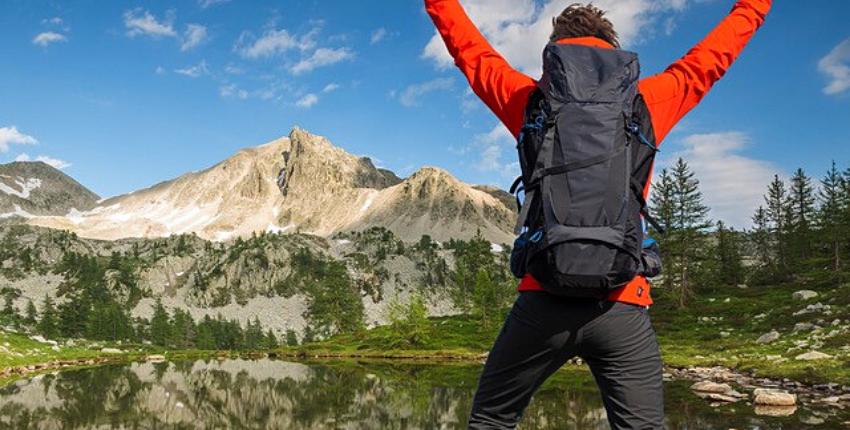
580	20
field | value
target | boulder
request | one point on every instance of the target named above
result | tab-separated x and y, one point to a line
772	336
804	295
716	392
803	327
774	397
710	387
813	355
111	351
775	411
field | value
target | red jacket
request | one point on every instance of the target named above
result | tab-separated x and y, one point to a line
670	95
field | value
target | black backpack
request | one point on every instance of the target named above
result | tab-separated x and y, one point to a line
586	151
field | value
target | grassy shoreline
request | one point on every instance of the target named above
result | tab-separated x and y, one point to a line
720	330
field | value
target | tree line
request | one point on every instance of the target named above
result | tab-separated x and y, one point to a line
799	233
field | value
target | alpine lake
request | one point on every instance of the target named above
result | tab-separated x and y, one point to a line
275	394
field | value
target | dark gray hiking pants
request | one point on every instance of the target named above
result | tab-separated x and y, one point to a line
543	331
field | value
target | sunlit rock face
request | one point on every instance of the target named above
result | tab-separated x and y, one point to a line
298	184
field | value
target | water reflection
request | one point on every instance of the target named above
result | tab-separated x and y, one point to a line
268	394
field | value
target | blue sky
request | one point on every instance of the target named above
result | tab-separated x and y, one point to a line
125	94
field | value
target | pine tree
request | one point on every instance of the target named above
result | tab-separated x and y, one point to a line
800	218
48	326
778	209
254	335
830	217
679	205
182	329
762	240
291	338
160	330
663	209
334	304
10	312
270	341
31	318
730	268
205	335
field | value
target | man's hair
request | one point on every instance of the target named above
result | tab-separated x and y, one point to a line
580	20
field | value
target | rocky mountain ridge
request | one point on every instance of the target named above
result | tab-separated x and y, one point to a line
31	189
298	184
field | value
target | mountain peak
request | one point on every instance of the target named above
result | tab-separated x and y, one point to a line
34	188
302	183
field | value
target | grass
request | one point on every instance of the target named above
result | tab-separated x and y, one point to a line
728	340
686	341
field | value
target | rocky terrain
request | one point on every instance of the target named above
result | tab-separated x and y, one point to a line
31	189
241	279
299	184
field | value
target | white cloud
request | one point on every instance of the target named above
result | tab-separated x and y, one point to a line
195	71
55	162
331	88
160	70
194	35
11	135
141	22
232	69
273	42
519	29
307	101
733	184
232	90
52	21
836	65
320	58
48	37
207	3
379	35
490	147
410	96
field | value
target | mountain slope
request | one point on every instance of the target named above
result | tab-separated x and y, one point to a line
298	184
34	188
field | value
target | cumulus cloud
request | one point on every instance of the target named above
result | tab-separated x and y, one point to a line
411	95
379	35
140	22
272	42
513	26
733	184
322	57
307	101
195	71
11	136
55	162
836	65
48	37
194	35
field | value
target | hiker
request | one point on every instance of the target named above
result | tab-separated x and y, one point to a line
587	136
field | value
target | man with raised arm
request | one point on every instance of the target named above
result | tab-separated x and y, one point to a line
588	121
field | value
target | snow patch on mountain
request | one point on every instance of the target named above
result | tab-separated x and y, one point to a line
369	201
18	212
27	186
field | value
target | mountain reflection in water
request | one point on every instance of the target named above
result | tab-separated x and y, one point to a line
269	394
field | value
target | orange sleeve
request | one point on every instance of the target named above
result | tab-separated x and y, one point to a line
504	90
672	94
